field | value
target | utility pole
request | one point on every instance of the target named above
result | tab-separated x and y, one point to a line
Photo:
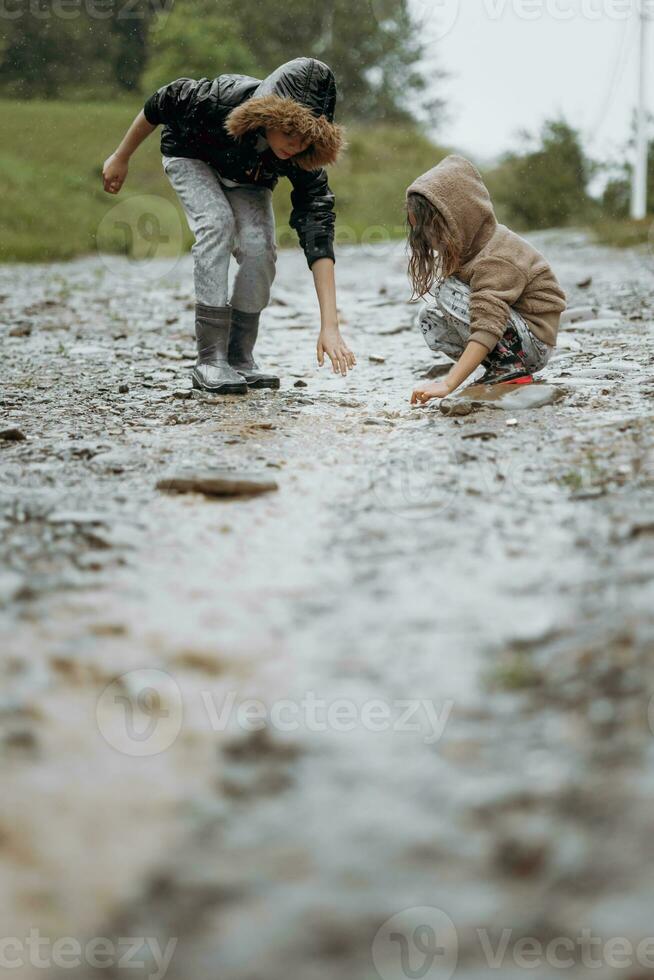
639	188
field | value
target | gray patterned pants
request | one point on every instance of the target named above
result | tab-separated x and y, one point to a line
226	221
445	325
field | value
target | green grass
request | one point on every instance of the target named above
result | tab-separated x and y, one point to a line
52	205
623	233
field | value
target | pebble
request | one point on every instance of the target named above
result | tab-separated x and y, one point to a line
12	435
217	483
455	407
123	389
484	434
21	330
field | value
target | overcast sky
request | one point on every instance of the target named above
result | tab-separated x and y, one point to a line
509	72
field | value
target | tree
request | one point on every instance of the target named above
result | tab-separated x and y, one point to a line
546	185
373	46
616	199
46	55
130	28
98	48
195	40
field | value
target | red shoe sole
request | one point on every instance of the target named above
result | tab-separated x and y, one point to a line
526	380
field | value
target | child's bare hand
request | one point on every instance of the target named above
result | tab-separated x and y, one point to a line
114	173
332	344
430	389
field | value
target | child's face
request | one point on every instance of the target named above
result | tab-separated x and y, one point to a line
285	145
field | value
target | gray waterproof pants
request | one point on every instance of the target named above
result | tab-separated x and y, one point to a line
226	221
445	325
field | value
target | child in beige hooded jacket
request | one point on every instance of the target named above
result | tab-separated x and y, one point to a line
497	300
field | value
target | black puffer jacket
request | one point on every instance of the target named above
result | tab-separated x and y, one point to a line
194	113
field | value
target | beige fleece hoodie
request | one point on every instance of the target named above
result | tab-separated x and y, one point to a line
501	268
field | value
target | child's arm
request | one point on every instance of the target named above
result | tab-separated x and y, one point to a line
469	361
330	341
115	167
496	285
313	217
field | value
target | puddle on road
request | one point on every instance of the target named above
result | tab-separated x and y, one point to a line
513	397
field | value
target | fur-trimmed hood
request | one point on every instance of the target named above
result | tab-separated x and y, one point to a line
299	97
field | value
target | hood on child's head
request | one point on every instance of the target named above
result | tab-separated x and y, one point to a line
298	97
455	187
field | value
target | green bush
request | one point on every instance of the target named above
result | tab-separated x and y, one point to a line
52	201
545	185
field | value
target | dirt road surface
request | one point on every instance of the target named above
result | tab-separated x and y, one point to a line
384	721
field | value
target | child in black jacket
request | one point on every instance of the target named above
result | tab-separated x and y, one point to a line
225	143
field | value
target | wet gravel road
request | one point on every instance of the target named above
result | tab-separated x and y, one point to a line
411	684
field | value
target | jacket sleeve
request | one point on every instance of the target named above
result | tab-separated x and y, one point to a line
312	215
496	284
171	104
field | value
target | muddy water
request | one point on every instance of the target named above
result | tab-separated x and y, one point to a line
441	626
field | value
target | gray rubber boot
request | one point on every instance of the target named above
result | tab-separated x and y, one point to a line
212	371
243	337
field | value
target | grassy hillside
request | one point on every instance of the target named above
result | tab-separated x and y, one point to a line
52	205
624	233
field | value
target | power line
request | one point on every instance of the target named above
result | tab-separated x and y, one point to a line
625	43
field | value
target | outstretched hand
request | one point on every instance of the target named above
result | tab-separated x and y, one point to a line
432	389
332	344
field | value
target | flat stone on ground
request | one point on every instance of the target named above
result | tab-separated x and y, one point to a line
12	435
217	483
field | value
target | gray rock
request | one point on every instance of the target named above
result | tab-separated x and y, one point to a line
437	370
601	323
454	407
217	483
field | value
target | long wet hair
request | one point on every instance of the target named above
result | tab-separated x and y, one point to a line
433	254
